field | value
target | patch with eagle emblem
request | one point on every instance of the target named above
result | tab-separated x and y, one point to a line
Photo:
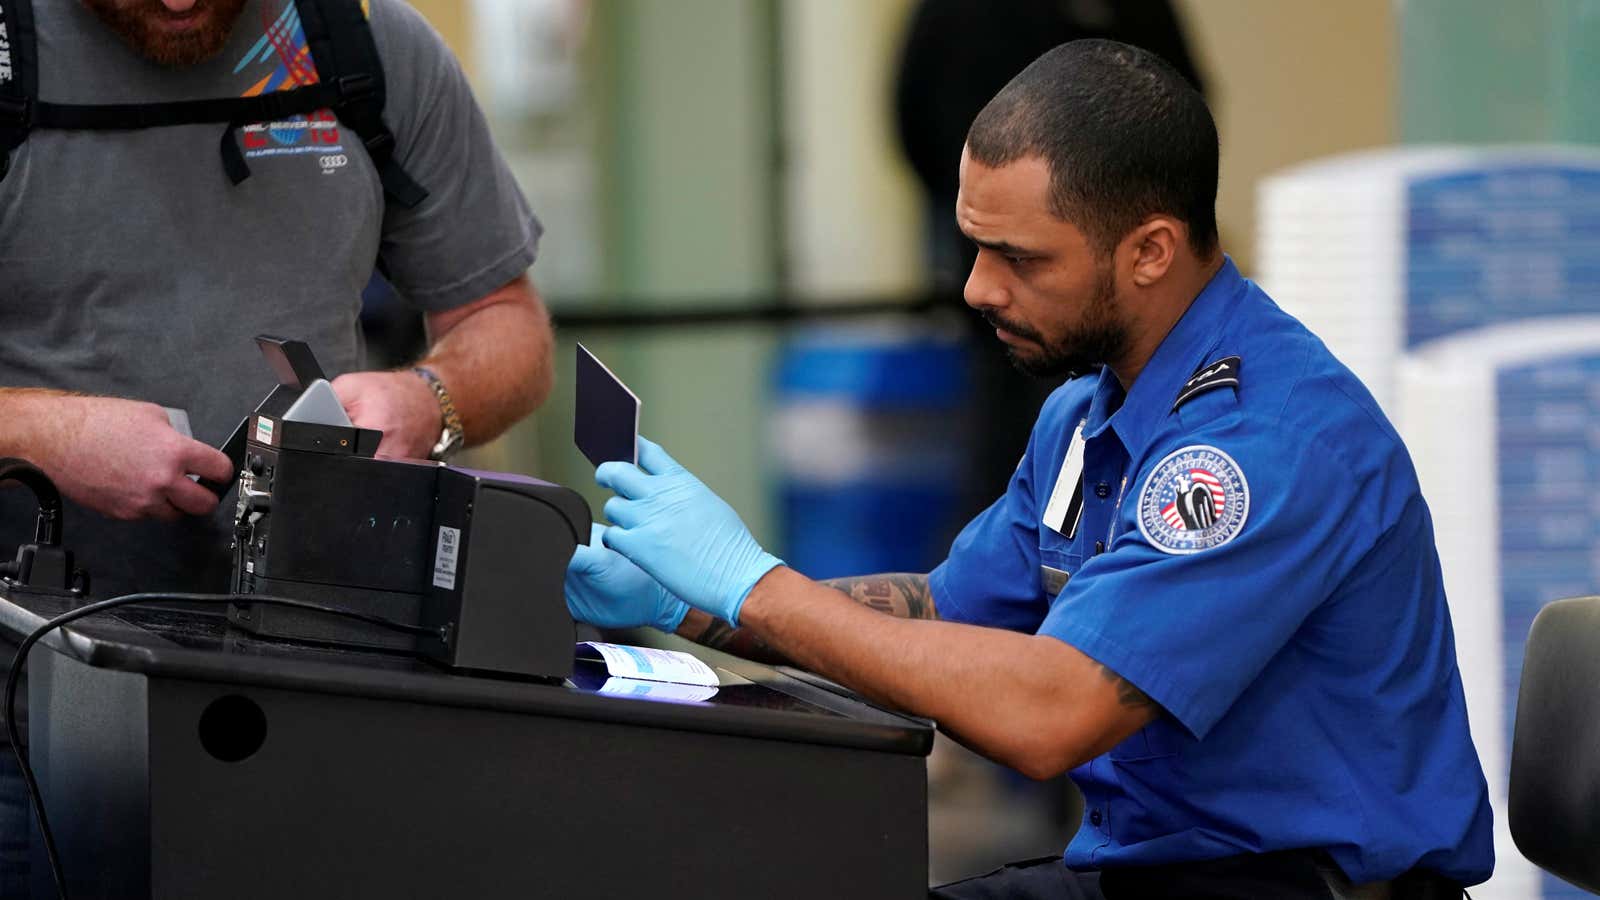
1195	499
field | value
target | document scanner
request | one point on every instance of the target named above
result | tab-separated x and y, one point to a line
478	558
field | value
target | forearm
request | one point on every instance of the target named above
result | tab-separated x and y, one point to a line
901	594
497	360
710	631
1028	701
904	595
120	458
31	431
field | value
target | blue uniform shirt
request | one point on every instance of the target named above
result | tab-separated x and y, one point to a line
1257	559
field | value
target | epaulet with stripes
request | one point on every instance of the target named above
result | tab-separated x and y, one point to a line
1213	375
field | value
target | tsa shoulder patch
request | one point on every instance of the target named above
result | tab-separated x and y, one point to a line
1195	499
1222	373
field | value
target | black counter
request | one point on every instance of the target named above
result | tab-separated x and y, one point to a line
181	758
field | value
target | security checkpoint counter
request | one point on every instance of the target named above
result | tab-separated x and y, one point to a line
179	757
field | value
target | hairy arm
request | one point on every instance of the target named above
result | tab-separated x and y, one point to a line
901	594
121	458
494	356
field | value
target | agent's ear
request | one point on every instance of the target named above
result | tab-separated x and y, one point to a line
1153	247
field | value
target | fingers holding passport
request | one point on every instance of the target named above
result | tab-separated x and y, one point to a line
668	523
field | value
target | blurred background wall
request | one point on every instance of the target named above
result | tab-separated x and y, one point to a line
1291	82
1479	71
740	156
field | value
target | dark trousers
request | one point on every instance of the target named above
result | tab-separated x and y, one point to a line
1287	875
1032	879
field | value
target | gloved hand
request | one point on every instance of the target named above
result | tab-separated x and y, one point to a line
681	533
606	590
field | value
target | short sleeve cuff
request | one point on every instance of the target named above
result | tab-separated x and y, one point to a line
943	604
1142	671
478	284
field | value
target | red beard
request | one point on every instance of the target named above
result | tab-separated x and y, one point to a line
166	38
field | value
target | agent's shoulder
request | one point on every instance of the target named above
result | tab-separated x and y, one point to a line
1295	389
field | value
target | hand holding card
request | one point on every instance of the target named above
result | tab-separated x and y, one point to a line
606	420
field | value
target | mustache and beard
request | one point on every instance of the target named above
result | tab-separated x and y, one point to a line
1098	338
139	24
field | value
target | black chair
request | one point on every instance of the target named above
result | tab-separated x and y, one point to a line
1555	753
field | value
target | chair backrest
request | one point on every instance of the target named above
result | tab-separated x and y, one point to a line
1555	753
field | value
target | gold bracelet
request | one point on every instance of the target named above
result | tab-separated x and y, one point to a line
452	435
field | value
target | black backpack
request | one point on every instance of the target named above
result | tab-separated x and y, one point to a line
350	83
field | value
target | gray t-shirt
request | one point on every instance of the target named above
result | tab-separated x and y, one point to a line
131	266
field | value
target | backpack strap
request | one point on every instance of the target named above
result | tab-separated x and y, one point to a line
350	82
235	111
340	39
19	77
130	116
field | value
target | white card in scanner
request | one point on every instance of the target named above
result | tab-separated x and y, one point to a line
318	405
179	420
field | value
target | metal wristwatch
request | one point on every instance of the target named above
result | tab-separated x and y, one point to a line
450	439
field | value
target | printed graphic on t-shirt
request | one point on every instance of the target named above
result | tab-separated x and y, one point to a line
283	61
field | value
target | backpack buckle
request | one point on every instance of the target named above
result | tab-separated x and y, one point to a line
354	88
380	145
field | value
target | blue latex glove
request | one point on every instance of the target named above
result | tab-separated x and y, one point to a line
681	533
606	590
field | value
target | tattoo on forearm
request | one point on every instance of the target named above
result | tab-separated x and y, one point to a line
718	634
1127	694
901	594
877	594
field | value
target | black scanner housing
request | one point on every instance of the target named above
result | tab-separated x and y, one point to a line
477	557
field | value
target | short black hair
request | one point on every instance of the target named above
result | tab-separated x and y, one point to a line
1125	136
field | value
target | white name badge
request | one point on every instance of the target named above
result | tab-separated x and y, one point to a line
1065	508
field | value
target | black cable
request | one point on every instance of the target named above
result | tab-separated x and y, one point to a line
13	678
48	530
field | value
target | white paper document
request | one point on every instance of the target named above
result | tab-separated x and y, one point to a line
650	664
657	690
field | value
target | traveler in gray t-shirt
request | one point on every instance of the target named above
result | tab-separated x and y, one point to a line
134	275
